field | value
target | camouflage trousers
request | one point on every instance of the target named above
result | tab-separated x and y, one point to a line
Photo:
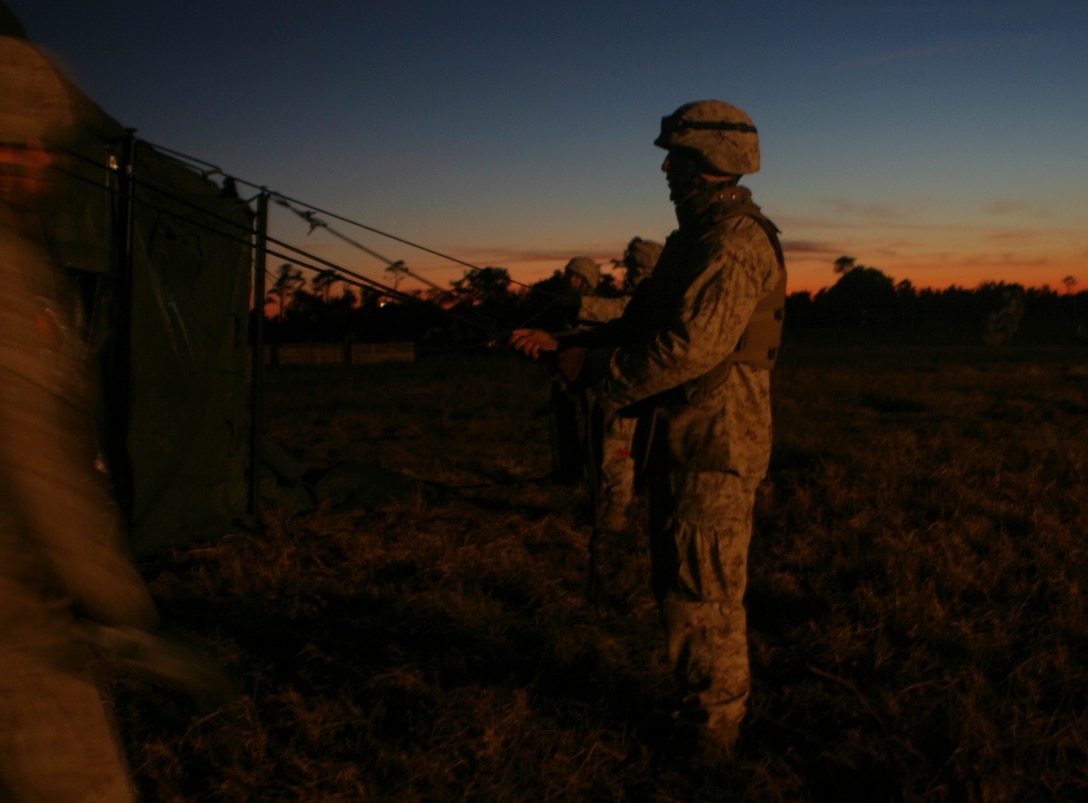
616	480
700	529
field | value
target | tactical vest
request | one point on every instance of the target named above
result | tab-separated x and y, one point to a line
761	339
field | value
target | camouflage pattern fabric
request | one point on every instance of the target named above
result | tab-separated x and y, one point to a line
616	484
709	444
587	269
569	410
723	136
598	309
639	258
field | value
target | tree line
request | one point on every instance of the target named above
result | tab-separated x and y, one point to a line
485	304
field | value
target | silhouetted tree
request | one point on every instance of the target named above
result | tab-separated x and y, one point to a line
288	281
323	282
845	264
399	270
485	307
799	310
861	296
489	286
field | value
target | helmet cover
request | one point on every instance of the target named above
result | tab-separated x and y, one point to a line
721	134
587	269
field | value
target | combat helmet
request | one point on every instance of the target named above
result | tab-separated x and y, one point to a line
721	134
587	269
639	258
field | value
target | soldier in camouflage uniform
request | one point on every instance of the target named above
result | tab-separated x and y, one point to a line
614	487
569	408
692	355
60	539
583	274
639	260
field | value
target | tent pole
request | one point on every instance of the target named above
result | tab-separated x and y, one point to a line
119	382
257	372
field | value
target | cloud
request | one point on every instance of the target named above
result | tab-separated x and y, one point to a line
1022	237
1007	207
808	247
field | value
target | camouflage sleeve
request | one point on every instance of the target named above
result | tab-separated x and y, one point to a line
597	309
733	266
630	323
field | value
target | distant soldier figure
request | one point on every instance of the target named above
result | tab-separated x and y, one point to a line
611	470
693	352
638	262
569	408
60	538
614	481
584	274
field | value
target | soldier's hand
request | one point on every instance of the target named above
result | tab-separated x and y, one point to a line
571	361
532	342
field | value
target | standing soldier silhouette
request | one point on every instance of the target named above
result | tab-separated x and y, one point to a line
691	356
568	408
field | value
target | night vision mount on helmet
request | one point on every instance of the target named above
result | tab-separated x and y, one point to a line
722	135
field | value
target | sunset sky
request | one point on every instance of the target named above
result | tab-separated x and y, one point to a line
941	142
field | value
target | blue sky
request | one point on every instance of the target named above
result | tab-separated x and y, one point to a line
942	142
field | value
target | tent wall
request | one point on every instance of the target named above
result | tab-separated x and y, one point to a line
166	322
188	434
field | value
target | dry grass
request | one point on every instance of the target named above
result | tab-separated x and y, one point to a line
919	631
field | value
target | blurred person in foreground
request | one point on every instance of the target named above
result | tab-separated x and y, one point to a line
691	356
62	560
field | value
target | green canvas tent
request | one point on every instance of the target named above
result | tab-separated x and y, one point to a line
164	260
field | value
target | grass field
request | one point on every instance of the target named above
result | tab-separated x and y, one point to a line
918	627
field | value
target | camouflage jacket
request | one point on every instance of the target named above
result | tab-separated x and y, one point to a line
598	309
684	321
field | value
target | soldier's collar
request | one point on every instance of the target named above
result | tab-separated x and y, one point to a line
712	200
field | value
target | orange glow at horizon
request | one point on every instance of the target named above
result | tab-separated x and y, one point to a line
810	274
944	263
